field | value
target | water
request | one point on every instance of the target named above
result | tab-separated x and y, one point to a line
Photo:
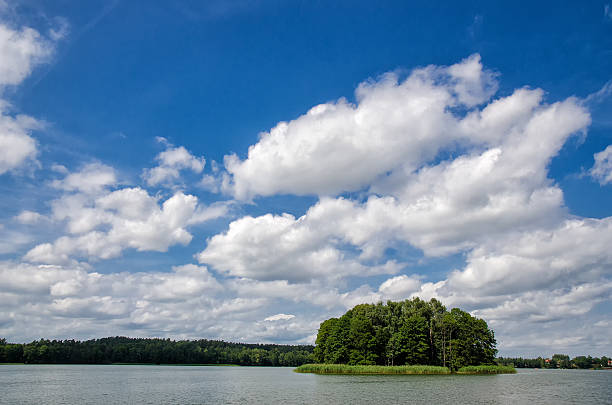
77	384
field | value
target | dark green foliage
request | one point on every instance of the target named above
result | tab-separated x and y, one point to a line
154	351
11	353
409	332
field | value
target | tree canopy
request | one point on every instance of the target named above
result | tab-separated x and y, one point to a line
409	332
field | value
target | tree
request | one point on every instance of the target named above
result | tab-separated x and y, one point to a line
363	341
408	332
413	341
321	351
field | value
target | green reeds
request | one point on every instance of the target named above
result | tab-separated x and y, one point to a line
486	370
346	369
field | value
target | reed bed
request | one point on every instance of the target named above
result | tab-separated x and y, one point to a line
346	369
486	370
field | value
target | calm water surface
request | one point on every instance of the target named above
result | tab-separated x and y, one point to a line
75	384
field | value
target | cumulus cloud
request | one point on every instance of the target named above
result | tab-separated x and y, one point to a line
498	184
21	49
102	222
339	146
186	302
156	228
91	179
279	247
315	293
17	146
540	259
32	295
602	169
439	209
28	217
171	162
400	287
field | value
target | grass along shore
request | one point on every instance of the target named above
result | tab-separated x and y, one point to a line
487	370
346	369
399	370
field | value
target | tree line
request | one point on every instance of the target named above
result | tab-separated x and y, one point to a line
556	361
406	333
153	351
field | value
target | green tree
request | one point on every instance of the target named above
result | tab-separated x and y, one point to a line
408	332
363	341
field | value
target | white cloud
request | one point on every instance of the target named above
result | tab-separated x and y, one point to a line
17	147
498	184
279	317
602	169
312	294
61	169
279	247
28	217
21	50
472	85
400	288
156	228
576	251
102	223
69	301
171	162
91	179
338	146
454	205
538	306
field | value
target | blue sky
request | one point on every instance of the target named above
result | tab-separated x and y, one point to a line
194	170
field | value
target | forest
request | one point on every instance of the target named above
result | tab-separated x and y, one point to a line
153	351
558	361
406	333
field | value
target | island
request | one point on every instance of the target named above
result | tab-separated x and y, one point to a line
409	337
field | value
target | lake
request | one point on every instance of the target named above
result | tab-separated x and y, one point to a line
135	384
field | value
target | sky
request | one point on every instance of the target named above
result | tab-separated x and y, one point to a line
244	170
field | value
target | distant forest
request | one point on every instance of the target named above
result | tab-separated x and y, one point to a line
153	351
557	361
409	332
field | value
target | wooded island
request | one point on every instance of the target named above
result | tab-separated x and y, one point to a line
410	332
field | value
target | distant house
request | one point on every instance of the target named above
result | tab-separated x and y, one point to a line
610	362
